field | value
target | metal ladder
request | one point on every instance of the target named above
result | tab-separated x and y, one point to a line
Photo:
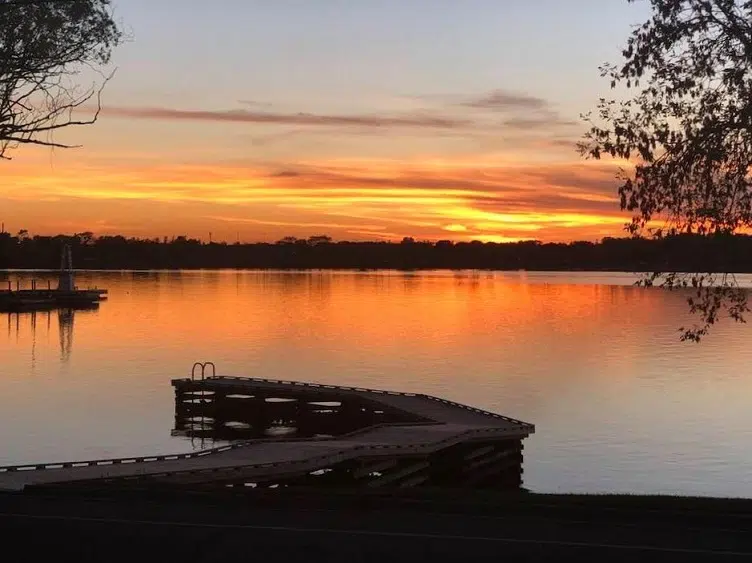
203	366
194	377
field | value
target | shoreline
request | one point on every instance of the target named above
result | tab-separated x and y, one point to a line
332	526
475	499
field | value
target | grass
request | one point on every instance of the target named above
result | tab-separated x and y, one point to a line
452	500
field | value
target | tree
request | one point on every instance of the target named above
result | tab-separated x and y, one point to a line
687	129
44	46
287	240
319	239
85	239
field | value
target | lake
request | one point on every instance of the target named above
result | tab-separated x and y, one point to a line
619	403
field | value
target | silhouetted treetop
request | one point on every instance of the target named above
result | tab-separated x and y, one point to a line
688	130
44	45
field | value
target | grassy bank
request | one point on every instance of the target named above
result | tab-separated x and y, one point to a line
453	500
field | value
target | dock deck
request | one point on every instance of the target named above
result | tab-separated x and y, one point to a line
65	295
399	439
40	299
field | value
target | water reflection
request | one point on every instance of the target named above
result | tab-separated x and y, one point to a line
620	404
18	322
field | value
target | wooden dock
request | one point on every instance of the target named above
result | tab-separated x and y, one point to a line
65	295
388	439
21	300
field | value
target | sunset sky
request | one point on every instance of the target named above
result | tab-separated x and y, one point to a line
360	119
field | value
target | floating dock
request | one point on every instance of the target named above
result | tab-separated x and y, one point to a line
41	299
65	295
307	434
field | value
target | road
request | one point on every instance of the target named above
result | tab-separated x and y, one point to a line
50	527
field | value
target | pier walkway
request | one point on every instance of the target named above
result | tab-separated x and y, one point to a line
387	453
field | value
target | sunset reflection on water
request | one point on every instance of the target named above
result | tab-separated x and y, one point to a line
619	403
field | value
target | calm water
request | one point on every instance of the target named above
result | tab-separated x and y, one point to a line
619	403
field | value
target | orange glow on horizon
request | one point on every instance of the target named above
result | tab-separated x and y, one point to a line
471	198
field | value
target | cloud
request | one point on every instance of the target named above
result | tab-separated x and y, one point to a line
497	119
599	181
569	186
254	103
414	120
566	143
295	224
524	112
462	198
543	120
503	100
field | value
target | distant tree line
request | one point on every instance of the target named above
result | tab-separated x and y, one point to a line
691	253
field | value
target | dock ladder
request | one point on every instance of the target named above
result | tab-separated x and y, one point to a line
202	374
195	374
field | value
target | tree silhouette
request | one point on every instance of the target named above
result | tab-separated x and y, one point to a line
44	45
688	130
670	253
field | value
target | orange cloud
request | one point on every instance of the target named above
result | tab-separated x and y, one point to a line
505	100
520	112
481	198
245	116
499	166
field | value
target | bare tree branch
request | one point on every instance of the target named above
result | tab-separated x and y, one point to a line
44	47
